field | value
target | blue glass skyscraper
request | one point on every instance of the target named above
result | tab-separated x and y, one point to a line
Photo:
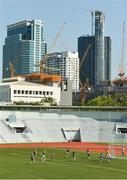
24	47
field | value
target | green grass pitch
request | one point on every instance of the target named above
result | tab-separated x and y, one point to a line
15	164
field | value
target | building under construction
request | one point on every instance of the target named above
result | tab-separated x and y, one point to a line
97	64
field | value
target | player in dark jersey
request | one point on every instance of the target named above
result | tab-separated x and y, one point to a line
101	157
88	153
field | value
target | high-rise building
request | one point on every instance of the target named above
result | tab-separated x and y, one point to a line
24	47
65	64
97	64
107	57
52	64
87	70
99	47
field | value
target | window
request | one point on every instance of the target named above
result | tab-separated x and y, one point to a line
47	93
51	93
22	91
36	92
30	92
40	92
44	93
18	91
15	91
26	92
121	129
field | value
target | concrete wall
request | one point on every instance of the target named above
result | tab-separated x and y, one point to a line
66	93
5	93
47	126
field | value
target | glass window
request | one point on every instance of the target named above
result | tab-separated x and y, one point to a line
47	93
43	92
40	92
51	93
26	92
36	92
30	92
18	91
15	91
22	91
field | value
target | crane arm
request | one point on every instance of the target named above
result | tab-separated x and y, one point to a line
85	54
44	58
56	37
11	68
121	66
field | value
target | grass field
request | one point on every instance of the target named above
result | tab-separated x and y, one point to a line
15	164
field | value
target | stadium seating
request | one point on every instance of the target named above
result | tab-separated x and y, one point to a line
52	126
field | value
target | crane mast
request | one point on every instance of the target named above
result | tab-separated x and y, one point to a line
44	58
122	58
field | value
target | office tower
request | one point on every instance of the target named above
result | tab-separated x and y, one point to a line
65	64
107	57
99	47
24	47
97	64
87	70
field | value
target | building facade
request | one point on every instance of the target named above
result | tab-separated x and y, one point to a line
97	63
20	90
107	57
87	70
24	47
52	64
65	64
99	47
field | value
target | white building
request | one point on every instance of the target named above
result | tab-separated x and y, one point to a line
20	90
65	64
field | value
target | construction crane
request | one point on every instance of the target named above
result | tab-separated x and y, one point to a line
85	54
121	71
44	58
83	58
11	65
122	58
11	69
84	85
92	12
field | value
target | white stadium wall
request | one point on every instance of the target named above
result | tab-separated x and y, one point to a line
61	126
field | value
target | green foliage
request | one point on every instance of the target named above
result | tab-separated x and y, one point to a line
26	103
117	99
49	100
44	100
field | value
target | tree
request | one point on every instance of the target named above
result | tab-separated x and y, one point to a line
117	99
49	100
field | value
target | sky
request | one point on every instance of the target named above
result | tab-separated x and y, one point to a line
76	15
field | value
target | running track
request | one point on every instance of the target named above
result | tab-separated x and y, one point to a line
82	146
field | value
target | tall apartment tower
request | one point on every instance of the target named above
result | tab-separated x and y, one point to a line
24	47
99	47
97	64
65	64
